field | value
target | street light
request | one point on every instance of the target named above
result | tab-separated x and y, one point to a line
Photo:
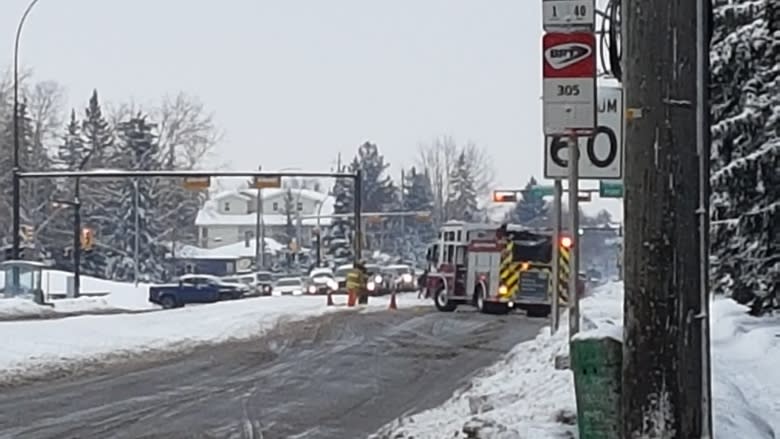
15	172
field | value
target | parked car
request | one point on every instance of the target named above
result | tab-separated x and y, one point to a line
195	288
288	286
321	281
402	278
375	284
340	275
261	282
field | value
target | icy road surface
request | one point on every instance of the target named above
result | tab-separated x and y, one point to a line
341	375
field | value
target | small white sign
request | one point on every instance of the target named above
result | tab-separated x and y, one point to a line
568	102
601	156
563	14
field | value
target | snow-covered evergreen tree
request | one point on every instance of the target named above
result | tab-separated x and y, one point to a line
417	197
291	214
72	152
98	140
531	210
379	194
462	199
140	151
337	244
745	203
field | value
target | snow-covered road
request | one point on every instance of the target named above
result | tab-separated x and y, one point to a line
35	347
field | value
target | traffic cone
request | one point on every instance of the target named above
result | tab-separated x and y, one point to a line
393	305
330	299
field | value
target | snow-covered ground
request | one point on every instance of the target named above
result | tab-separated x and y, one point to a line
35	347
524	396
121	296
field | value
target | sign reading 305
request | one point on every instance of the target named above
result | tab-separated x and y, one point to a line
601	156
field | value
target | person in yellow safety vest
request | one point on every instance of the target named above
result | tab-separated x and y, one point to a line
363	296
356	283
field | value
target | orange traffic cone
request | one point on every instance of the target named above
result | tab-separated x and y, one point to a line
393	305
330	299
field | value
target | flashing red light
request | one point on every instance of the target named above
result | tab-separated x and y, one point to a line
566	242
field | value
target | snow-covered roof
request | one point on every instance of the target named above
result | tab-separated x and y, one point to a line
231	251
209	215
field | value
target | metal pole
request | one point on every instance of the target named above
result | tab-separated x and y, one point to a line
17	241
137	226
555	296
703	149
358	205
259	229
77	240
298	225
403	207
574	213
319	233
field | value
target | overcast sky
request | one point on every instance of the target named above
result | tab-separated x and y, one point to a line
293	83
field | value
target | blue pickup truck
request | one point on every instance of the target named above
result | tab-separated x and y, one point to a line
195	288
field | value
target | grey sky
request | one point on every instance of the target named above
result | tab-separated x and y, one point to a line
293	83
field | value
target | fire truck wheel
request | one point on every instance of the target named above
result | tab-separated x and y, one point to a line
442	303
479	301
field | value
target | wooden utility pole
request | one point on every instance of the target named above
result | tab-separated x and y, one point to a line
663	390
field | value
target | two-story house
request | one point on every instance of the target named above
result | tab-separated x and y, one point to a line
231	217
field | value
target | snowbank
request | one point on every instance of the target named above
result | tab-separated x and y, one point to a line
39	347
524	396
117	297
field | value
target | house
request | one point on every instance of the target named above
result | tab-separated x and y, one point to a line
231	217
224	260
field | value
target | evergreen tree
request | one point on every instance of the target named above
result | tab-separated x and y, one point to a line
745	203
338	242
141	151
378	191
462	198
98	134
72	152
290	213
531	209
97	198
379	194
417	197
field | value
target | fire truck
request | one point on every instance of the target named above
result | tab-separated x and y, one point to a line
496	268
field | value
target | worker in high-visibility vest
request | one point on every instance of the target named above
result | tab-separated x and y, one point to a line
356	283
363	294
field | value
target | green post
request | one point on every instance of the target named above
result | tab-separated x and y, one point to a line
597	367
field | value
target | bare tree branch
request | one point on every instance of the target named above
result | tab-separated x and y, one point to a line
438	158
187	133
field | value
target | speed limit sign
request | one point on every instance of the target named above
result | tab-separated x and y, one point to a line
601	156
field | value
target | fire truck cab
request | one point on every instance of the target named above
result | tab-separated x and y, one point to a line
495	268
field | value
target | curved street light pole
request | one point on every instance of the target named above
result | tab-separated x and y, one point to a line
15	118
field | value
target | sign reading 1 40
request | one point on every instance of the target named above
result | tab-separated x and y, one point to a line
568	13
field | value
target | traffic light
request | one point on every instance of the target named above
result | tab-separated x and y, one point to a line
504	196
27	232
566	242
87	239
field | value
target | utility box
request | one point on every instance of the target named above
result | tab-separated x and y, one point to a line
597	365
